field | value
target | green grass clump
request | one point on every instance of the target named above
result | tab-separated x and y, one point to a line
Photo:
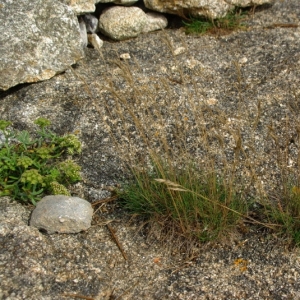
198	205
286	213
31	166
159	125
232	21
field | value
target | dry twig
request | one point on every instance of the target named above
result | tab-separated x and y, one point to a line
105	200
78	296
117	241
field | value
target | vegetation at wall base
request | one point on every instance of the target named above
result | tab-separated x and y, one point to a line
285	211
34	165
232	21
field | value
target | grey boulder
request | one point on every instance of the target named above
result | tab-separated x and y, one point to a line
208	8
62	214
38	40
121	23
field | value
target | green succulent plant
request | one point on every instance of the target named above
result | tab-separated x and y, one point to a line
34	165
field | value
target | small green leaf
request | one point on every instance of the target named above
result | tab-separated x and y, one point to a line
24	161
42	122
4	124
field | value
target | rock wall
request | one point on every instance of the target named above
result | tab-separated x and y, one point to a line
43	38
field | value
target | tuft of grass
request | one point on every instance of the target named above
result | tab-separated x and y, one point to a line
34	165
232	21
285	212
197	170
196	204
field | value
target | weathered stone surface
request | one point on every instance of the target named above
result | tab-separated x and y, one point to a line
155	22
245	3
38	40
81	6
209	8
91	23
62	214
121	23
95	41
83	32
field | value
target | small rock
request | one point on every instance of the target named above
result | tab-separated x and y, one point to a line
243	60
91	23
211	101
121	23
95	41
62	214
125	56
179	51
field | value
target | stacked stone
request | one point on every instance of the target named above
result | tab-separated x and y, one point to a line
43	38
